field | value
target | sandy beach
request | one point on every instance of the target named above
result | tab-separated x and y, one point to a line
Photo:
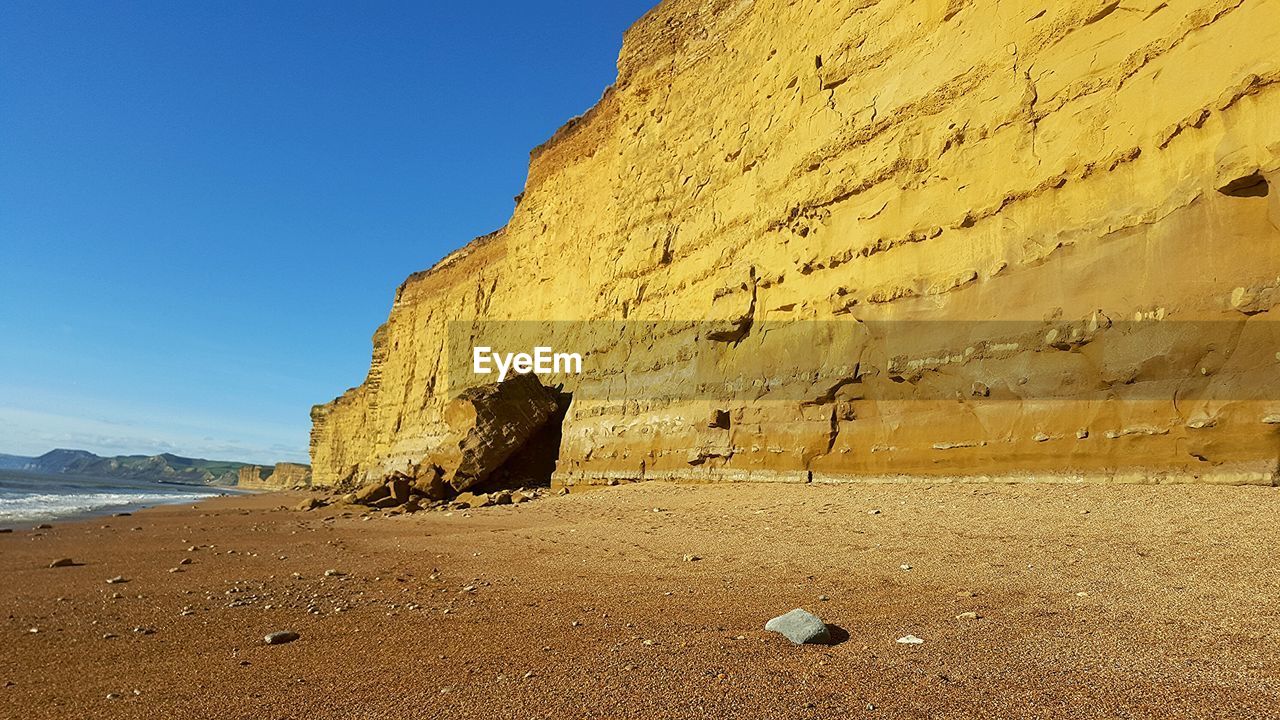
648	601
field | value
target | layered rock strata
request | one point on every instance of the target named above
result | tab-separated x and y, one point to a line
770	180
283	476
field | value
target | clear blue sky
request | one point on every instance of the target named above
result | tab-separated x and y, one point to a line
205	207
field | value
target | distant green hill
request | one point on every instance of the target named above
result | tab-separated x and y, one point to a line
165	467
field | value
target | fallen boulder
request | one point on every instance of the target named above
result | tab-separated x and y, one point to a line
430	484
474	500
489	423
310	503
372	493
398	486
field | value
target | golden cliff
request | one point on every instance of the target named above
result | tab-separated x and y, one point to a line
284	476
777	179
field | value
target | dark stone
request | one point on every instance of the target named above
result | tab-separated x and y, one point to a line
800	627
280	637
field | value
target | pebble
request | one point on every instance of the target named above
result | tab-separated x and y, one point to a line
62	562
691	558
116	580
905	566
333	573
800	627
969	616
910	640
280	637
44	526
823	598
184	561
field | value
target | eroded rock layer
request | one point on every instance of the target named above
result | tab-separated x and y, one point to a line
283	476
1088	167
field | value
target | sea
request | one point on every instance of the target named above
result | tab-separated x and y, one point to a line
31	497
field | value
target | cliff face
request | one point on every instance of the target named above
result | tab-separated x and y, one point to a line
815	177
284	476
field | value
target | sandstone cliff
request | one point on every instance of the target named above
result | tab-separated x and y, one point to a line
284	476
770	176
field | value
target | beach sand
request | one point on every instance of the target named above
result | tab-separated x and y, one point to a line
1095	601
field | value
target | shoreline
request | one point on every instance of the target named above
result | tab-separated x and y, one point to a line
1094	600
83	486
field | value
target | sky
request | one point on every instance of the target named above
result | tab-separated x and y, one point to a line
205	208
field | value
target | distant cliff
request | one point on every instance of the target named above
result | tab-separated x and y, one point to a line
14	462
164	467
284	476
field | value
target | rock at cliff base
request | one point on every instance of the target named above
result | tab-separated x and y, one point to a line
474	500
489	423
309	504
431	485
372	493
399	488
386	503
800	627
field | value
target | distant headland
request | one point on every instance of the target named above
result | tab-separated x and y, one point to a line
165	467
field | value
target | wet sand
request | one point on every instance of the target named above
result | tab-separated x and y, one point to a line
1095	601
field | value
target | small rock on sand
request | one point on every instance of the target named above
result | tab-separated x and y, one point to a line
62	562
910	640
116	580
44	526
691	558
969	616
800	627
280	637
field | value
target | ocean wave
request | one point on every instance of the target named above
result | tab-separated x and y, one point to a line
47	506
